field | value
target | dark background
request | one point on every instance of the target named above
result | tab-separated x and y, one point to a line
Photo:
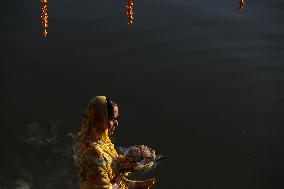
196	80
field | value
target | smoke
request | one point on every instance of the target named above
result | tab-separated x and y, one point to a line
37	136
48	162
22	184
24	181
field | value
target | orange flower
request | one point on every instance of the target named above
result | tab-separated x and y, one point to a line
241	5
44	17
129	11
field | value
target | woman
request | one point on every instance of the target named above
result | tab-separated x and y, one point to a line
98	164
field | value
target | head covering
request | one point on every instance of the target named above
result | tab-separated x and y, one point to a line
95	121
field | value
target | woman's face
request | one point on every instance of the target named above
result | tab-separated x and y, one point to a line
113	121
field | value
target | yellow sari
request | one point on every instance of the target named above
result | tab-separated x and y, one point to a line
95	156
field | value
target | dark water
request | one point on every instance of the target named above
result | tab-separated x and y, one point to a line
196	80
